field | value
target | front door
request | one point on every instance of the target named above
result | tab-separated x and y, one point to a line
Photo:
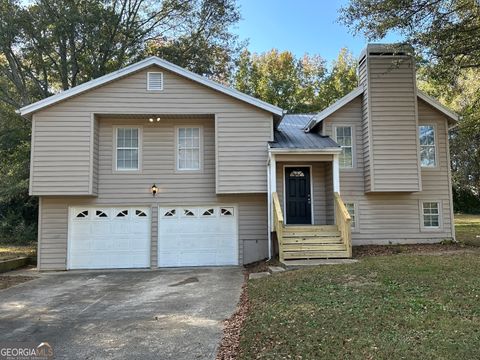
297	195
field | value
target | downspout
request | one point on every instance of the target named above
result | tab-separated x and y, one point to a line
269	208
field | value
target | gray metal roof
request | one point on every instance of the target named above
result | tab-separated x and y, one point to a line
291	135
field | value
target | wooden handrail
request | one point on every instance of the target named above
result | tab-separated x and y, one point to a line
343	221
278	223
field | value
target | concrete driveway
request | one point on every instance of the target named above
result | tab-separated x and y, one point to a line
164	314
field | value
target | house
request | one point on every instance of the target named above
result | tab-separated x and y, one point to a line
154	166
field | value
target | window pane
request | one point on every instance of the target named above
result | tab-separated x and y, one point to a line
345	158
127	159
189	148
427	135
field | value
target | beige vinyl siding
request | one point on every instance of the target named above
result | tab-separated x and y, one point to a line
253	245
60	154
392	124
385	218
62	133
321	191
242	152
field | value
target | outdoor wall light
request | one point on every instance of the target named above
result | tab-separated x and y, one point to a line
152	119
154	189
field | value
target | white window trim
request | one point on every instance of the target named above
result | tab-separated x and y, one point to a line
355	228
435	139
140	142
200	134
148	80
353	131
424	228
312	220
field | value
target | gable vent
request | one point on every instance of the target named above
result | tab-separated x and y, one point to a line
155	81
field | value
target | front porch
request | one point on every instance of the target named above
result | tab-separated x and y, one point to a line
307	213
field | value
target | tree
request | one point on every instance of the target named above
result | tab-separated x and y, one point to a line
445	31
296	85
51	45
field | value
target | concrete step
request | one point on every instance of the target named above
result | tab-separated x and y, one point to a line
275	269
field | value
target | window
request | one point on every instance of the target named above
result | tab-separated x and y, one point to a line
82	214
343	135
127	149
208	212
100	214
431	214
188	151
123	213
427	146
226	211
188	212
170	213
351	210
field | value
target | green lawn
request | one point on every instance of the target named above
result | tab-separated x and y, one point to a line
467	228
406	306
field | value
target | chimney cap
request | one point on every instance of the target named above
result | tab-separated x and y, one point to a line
395	49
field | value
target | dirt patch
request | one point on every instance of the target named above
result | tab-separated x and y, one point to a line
261	266
8	281
189	280
230	345
425	249
359	281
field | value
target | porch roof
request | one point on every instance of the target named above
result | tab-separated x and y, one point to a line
290	134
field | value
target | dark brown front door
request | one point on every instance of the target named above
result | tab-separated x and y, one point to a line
297	195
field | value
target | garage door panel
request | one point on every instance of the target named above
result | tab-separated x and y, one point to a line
202	239
101	239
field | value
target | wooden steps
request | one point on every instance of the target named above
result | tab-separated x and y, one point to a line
312	242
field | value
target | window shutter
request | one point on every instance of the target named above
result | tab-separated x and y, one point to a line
155	81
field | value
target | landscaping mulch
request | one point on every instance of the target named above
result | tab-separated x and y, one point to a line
229	346
381	250
8	281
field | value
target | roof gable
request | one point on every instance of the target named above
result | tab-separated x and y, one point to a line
317	119
92	84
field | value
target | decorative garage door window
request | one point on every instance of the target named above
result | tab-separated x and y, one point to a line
122	213
200	236
100	214
227	211
170	213
82	214
140	213
208	212
188	212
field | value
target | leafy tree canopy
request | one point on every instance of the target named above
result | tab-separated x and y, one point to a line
295	84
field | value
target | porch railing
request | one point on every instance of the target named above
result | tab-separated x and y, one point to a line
278	224
343	222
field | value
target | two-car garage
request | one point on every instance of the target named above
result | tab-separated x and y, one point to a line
120	237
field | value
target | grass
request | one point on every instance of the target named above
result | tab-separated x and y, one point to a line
467	229
384	307
11	251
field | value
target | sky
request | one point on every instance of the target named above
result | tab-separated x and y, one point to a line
300	26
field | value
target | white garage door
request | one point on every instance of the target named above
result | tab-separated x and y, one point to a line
103	238
197	236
